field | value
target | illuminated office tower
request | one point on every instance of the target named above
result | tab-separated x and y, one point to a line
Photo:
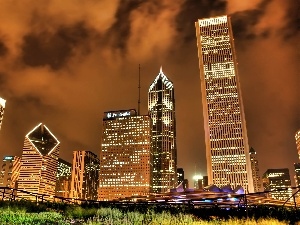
63	178
277	179
125	168
297	174
227	150
85	175
180	175
10	171
255	171
161	108
297	179
39	163
297	137
2	106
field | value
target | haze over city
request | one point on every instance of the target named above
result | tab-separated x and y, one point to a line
65	65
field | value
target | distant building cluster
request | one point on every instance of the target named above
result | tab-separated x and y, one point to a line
138	154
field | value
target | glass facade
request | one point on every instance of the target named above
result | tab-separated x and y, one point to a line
227	150
63	178
85	175
277	179
125	155
161	109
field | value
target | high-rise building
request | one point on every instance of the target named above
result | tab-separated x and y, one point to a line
297	137
10	171
180	175
297	174
205	181
198	181
63	178
277	179
85	175
39	163
227	150
257	184
2	106
161	108
297	179
125	168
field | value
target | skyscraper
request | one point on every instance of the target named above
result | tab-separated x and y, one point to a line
63	178
297	137
161	108
85	175
2	106
277	179
227	150
297	175
255	171
10	171
39	163
125	155
180	175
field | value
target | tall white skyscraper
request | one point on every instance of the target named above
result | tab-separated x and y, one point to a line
39	163
227	150
2	106
161	109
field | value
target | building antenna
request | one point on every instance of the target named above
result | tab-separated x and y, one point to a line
139	87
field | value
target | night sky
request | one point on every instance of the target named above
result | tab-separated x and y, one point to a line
66	62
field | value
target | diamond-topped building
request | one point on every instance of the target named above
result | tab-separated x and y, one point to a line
227	150
39	163
161	109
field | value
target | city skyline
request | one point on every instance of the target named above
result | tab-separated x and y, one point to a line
66	74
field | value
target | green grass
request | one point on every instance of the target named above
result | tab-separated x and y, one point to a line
26	214
16	217
116	217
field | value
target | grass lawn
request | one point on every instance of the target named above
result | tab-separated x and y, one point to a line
109	216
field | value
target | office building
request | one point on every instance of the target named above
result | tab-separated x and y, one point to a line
205	181
85	175
180	175
227	150
125	168
198	181
297	174
2	106
297	179
39	163
274	179
257	184
185	183
63	178
10	171
297	137
161	108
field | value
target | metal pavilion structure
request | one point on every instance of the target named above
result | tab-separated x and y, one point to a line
194	199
